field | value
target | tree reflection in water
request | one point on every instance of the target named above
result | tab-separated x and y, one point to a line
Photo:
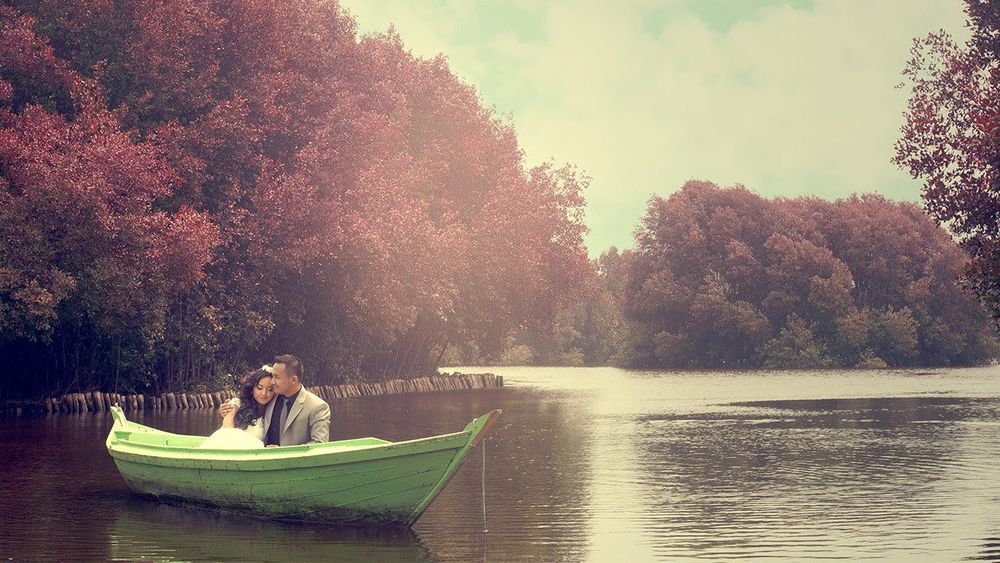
585	464
850	477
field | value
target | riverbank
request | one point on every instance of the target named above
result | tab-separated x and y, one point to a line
99	401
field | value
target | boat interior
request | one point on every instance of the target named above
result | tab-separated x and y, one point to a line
150	437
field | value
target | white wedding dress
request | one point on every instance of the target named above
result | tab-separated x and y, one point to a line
236	438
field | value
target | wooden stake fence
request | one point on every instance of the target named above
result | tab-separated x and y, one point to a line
98	401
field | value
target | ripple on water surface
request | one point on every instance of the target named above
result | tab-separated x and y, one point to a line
584	464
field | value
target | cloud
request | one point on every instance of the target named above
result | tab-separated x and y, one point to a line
787	100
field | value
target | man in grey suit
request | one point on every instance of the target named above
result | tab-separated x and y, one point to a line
295	416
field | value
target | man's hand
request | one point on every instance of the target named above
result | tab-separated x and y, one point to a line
225	409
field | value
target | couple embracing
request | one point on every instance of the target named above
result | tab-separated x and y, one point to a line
273	409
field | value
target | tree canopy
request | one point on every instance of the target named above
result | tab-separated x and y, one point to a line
188	187
951	139
725	278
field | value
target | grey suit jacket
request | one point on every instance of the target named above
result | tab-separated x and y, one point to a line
307	422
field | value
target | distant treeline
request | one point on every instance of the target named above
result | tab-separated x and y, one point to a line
726	278
188	188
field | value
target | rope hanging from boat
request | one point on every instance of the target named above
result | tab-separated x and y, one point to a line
483	488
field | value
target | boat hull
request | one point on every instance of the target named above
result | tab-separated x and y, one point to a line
366	481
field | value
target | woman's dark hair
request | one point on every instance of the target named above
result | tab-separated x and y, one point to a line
249	411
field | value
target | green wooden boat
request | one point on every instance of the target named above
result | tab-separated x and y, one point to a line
365	481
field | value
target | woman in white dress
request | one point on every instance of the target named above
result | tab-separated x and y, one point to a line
243	427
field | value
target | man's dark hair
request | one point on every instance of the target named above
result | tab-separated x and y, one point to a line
292	364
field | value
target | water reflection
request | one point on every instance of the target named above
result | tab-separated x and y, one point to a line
54	471
859	478
595	464
536	489
158	532
989	551
538	475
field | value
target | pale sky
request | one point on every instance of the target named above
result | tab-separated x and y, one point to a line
788	97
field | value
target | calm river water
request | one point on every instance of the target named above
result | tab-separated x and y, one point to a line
585	464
